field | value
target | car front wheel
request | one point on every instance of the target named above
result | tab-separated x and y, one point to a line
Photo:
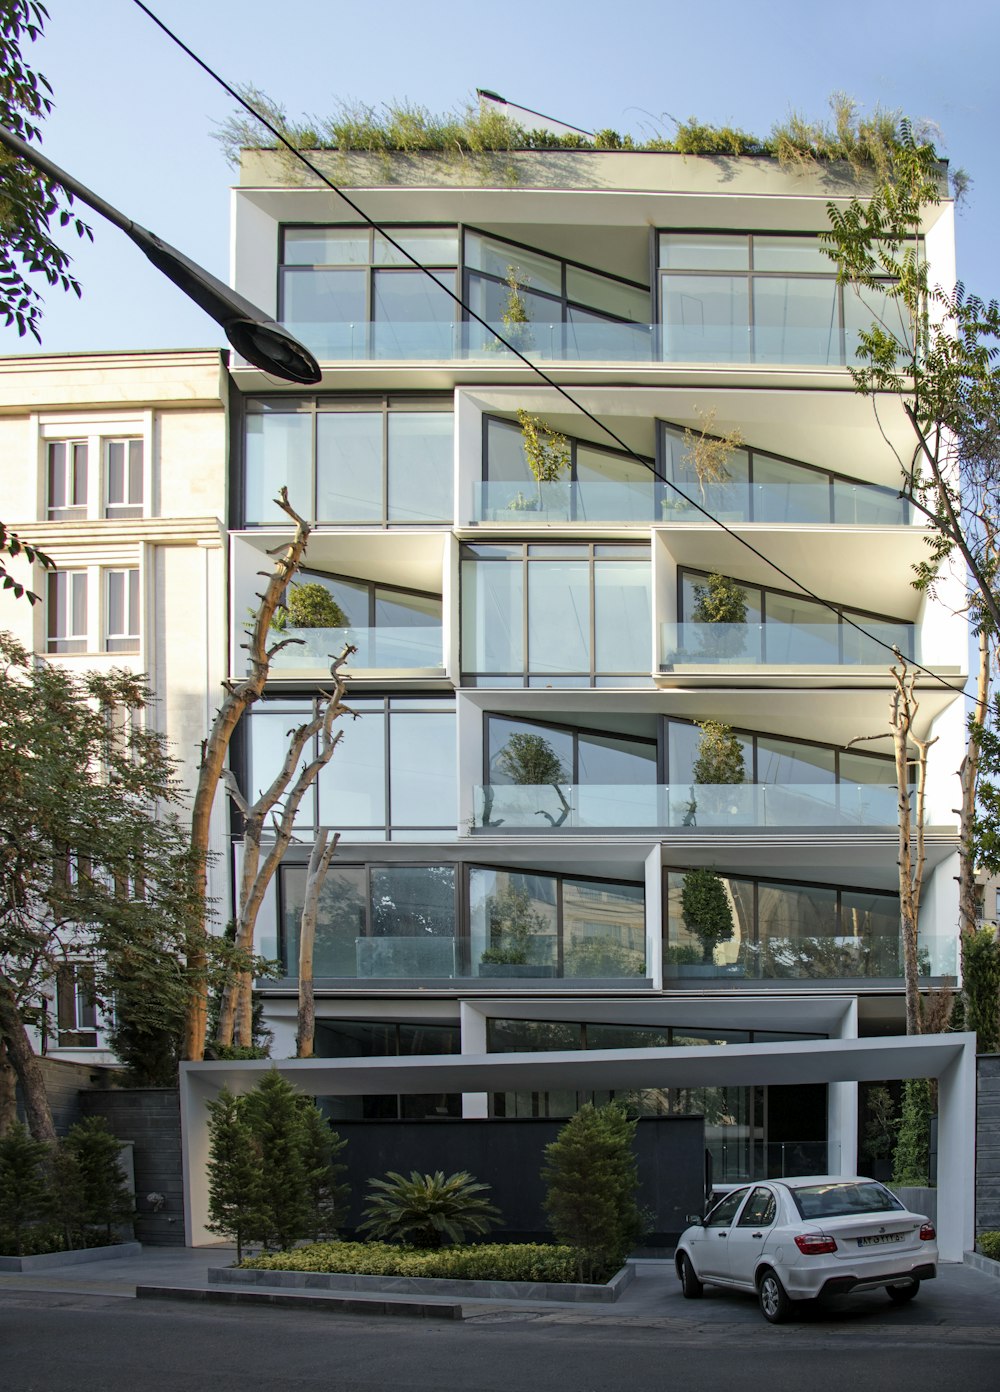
775	1305
691	1287
899	1295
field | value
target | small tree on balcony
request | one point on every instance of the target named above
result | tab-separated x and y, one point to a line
310	606
720	755
707	455
706	910
721	601
529	760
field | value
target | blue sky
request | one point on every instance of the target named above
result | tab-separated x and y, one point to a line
134	116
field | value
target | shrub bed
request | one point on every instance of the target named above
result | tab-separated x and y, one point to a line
499	1261
989	1245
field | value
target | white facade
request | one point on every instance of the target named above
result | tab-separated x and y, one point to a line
114	464
473	908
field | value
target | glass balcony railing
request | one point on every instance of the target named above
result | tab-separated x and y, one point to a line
650	806
579	501
814	958
784	644
387	649
598	341
840	503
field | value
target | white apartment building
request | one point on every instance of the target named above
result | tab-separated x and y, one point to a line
114	464
528	859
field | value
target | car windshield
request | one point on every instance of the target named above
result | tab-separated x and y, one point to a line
840	1200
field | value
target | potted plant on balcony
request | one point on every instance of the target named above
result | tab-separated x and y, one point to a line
310	606
719	763
513	924
705	459
721	601
549	455
707	914
529	761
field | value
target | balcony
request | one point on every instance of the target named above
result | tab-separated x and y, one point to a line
416	649
567	502
777	644
662	807
800	957
563	342
837	502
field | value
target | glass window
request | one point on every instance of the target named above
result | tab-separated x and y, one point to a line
604	932
492	616
524	753
67	611
323	298
610	296
559	617
278	453
802	254
431	246
413	923
421	466
531	1036
352	785
349	466
422	764
796	320
326	246
340	920
123	472
693	251
724	1212
760	1210
413	297
513	923
67	479
506	461
622	616
706	319
783	761
605	759
533	269
76	1006
121	610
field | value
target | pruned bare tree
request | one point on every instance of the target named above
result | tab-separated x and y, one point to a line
288	787
909	751
319	863
239	696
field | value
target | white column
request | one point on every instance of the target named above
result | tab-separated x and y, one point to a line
956	1178
654	917
472	1027
842	1107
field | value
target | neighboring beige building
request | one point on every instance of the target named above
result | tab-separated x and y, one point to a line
115	465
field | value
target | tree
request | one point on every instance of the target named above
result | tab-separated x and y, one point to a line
591	1179
981	987
328	1195
23	1191
513	923
721	607
93	861
720	755
236	1010
273	1114
234	1196
428	1210
30	200
239	696
530	760
911	1158
11	545
103	1189
707	455
706	910
310	606
319	863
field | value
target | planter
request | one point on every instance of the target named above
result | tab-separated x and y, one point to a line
42	1261
427	1285
513	970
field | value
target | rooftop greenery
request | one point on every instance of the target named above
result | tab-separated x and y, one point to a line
867	143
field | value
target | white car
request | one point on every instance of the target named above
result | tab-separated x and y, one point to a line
789	1240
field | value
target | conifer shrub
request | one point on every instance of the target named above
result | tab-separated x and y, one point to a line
24	1193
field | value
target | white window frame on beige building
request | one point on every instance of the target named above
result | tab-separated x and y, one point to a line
98	432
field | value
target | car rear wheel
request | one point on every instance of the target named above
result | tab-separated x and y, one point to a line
691	1287
899	1295
775	1305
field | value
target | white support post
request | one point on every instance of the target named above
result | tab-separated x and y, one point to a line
956	1176
472	1027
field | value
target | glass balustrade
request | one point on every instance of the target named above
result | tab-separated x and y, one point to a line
804	503
388	649
785	644
569	806
520	503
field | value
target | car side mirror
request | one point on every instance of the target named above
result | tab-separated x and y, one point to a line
691	1218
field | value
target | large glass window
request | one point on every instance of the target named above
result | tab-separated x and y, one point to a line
762	487
391	777
721	925
756	297
587	619
379	463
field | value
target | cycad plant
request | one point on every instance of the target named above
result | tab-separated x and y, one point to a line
429	1210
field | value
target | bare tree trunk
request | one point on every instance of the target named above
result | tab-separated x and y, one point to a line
8	1092
319	864
238	697
236	1011
26	1065
969	775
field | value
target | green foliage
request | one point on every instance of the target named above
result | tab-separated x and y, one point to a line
11	545
881	1125
95	861
24	1194
529	760
911	1157
694	137
590	1173
310	606
548	453
273	1172
428	1210
989	1245
981	987
719	601
706	910
513	922
869	144
602	955
493	1261
103	1188
720	755
29	201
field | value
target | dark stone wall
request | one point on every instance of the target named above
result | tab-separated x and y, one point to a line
64	1083
508	1155
988	1143
149	1118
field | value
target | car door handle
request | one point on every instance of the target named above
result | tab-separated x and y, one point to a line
756	1234
722	1234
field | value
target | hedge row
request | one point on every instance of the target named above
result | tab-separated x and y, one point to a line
523	1261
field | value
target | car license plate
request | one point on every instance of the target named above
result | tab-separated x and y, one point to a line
880	1239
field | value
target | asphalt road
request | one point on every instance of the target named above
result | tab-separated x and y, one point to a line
68	1342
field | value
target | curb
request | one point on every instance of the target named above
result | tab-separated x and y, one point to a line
331	1304
79	1256
983	1264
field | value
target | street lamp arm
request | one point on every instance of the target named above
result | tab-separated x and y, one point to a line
254	334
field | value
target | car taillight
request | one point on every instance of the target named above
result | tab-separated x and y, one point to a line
814	1244
927	1232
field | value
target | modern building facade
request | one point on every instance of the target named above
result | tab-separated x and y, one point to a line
534	852
114	464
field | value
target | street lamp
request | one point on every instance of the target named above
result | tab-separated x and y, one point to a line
254	334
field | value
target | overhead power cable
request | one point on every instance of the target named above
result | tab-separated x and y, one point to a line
517	353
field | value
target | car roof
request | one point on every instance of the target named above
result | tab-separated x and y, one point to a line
806	1181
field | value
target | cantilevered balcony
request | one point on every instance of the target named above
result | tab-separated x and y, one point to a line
519	808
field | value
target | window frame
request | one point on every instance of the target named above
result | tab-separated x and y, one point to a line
131	506
128	641
73	641
77	508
